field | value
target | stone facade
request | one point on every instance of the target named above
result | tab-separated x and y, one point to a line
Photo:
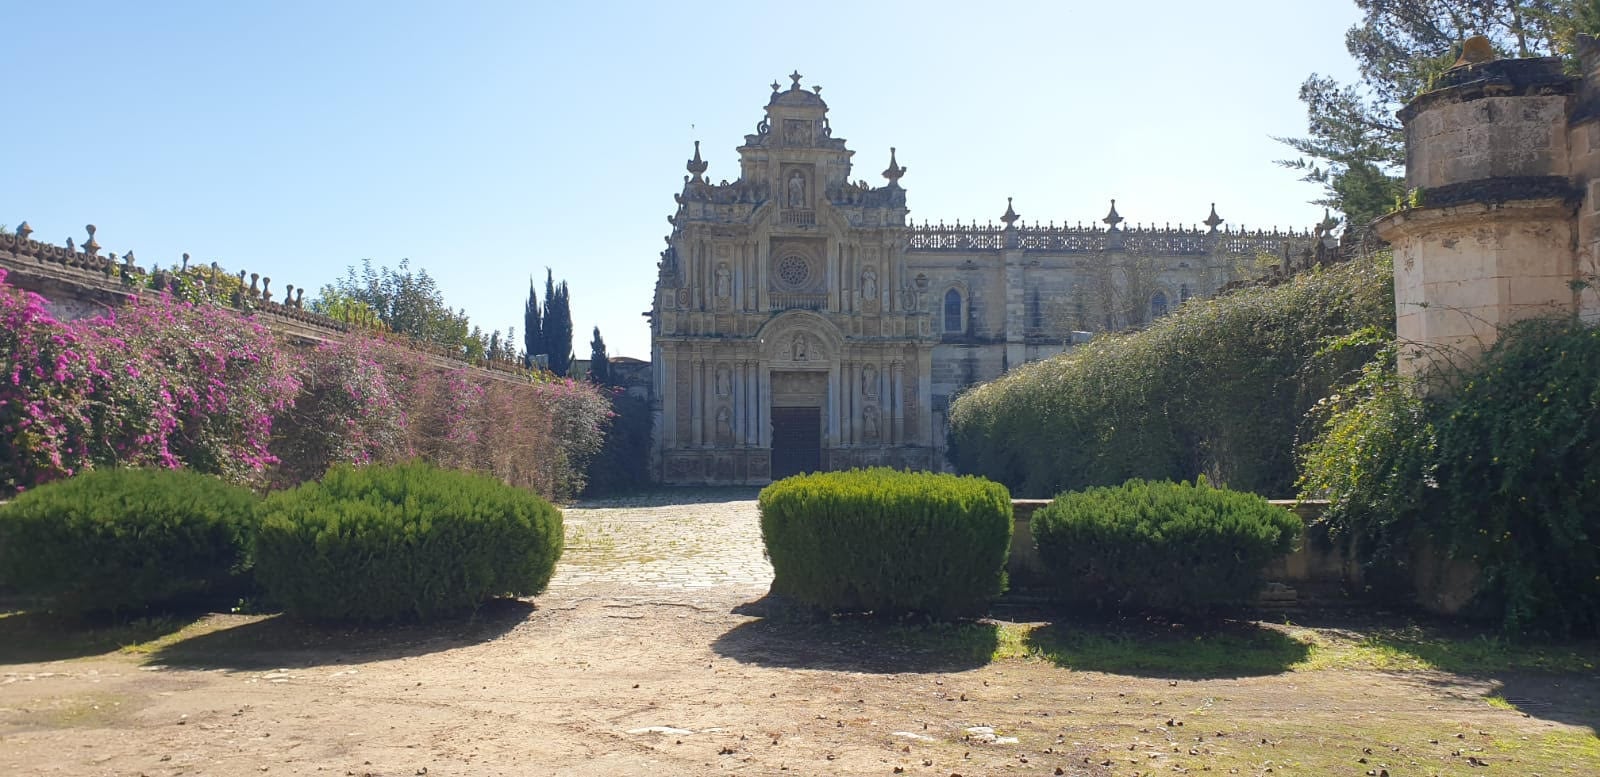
1503	160
802	322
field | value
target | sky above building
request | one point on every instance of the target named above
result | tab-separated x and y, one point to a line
487	141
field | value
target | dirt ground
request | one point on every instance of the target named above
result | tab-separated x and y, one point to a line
685	674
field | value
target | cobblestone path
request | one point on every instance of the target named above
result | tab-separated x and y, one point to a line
689	539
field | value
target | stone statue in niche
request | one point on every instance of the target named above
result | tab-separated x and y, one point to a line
797	189
724	285
798	348
869	381
869	422
724	381
724	424
869	284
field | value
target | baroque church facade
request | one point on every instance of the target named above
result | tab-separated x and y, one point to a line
802	323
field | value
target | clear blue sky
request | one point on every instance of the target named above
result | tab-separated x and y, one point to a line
488	140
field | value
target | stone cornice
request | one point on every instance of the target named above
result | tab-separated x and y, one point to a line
1467	212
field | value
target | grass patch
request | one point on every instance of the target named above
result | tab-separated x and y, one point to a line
1413	648
1236	650
1499	702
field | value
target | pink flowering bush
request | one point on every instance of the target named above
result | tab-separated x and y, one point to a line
159	382
168	383
350	411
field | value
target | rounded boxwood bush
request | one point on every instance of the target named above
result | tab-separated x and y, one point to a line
1180	547
403	541
116	540
887	541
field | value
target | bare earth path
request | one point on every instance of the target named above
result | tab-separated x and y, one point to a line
647	657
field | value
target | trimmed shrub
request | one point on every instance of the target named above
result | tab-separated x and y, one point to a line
1218	388
126	539
888	541
403	541
1177	547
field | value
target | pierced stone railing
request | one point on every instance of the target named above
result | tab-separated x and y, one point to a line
792	301
84	268
1162	241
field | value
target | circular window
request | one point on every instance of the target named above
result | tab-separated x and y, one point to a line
794	272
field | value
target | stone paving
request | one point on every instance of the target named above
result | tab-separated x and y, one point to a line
680	539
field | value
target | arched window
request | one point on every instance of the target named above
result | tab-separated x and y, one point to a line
1158	305
1183	294
952	311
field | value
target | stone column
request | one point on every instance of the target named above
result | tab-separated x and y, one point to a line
1015	307
1488	236
831	437
697	398
764	416
736	402
897	401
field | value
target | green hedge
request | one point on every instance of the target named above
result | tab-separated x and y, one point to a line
1499	468
403	541
887	541
118	540
1177	547
1218	388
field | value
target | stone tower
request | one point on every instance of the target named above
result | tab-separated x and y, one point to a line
1501	159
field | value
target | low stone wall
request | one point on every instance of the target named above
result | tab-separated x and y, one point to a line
1318	572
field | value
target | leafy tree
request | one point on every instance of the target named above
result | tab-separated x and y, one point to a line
557	325
406	302
1354	143
533	331
599	361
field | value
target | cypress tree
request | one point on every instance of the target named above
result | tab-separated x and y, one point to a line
532	332
599	360
557	325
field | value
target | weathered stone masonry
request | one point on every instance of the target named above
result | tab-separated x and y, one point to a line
801	322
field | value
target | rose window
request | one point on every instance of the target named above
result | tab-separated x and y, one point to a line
794	271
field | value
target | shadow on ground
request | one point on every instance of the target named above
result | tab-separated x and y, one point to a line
1561	698
1163	650
796	639
37	637
279	640
672	497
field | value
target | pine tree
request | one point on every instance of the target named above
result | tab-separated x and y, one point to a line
557	325
533	331
1355	146
599	361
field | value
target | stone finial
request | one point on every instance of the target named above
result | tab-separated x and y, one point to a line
1113	218
266	289
185	262
817	90
795	77
1010	216
774	86
72	247
1213	221
894	172
698	166
254	278
299	299
1475	50
91	248
127	261
23	231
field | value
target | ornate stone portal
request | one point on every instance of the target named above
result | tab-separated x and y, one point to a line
801	323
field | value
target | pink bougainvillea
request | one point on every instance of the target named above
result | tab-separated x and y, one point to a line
171	383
